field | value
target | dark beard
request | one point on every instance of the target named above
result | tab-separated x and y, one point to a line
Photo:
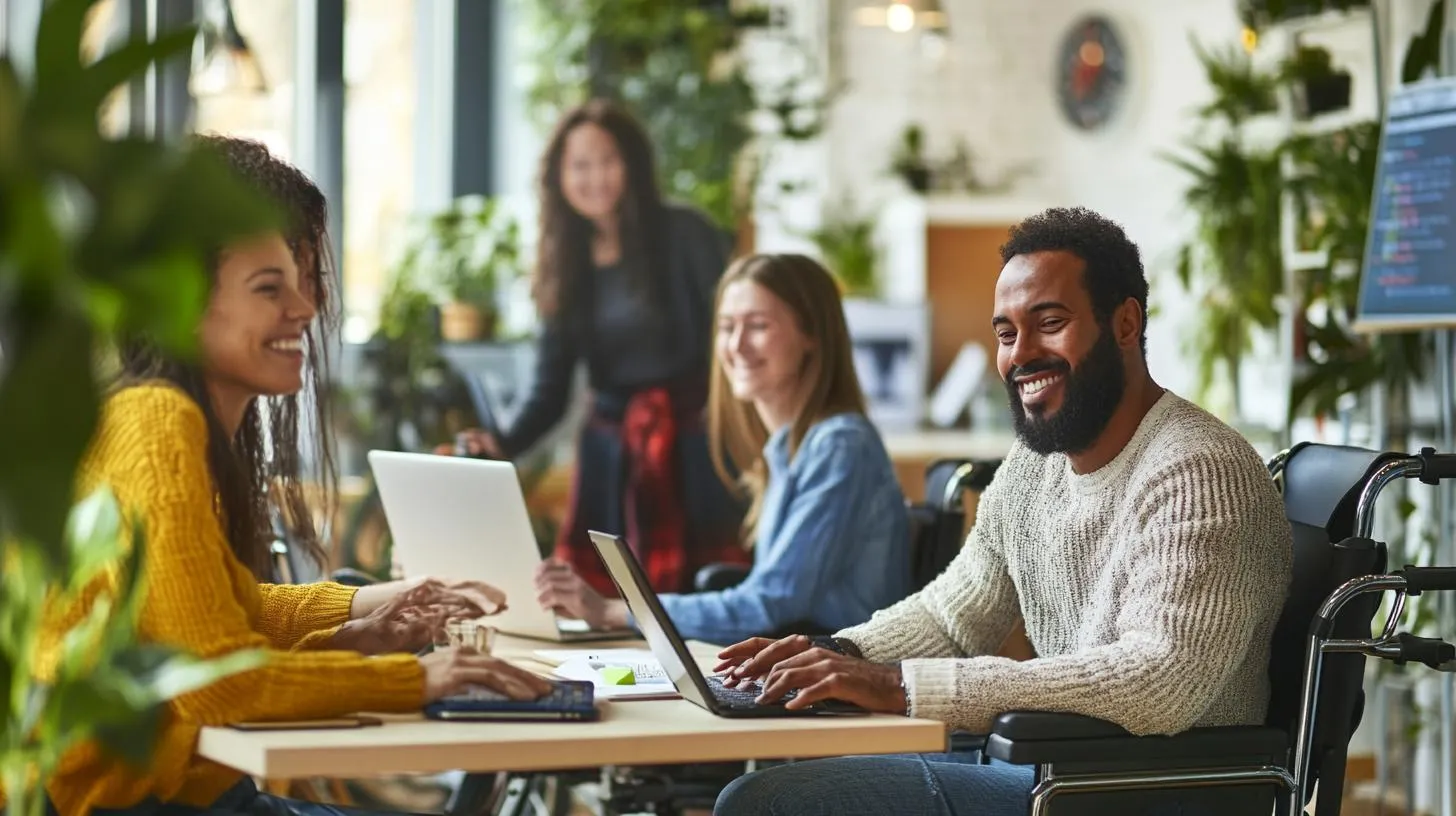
1091	393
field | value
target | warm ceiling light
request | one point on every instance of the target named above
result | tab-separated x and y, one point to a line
1250	39
899	17
903	15
222	62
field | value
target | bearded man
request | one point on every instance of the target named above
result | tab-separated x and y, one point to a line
1140	538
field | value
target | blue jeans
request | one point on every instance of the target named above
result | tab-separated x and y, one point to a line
951	784
242	798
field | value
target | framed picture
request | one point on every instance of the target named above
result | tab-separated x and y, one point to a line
892	358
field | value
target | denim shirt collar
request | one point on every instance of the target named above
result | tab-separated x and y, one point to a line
776	449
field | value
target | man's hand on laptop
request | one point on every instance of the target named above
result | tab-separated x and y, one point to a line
750	660
817	673
561	590
820	674
452	671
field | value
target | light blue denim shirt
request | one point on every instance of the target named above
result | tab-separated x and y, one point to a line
833	541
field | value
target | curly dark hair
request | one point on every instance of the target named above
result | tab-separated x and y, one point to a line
563	255
260	471
1113	270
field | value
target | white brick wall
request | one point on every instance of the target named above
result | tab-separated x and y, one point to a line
995	87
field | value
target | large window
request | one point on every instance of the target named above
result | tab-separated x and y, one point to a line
379	167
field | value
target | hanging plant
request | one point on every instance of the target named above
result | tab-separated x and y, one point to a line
1233	263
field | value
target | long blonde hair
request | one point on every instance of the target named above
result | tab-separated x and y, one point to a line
736	434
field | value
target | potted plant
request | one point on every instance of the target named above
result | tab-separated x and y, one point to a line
1259	13
910	163
846	243
1232	263
97	235
1316	86
464	254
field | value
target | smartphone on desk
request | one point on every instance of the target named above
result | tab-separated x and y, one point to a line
357	721
569	700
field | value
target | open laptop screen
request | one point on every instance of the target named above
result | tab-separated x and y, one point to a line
663	638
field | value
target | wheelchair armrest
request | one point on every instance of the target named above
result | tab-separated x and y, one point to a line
966	741
352	577
1051	725
1040	737
714	577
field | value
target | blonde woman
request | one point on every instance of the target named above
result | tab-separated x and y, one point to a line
827	519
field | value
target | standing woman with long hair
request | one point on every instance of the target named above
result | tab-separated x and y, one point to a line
624	283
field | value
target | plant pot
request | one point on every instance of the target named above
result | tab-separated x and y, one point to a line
917	178
465	322
1324	94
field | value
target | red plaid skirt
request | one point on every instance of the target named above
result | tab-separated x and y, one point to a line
646	476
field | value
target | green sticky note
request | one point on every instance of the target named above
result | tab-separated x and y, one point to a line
618	676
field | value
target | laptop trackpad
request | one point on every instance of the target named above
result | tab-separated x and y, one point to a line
572	626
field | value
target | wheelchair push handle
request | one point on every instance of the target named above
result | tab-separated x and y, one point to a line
1436	466
1433	652
1428	579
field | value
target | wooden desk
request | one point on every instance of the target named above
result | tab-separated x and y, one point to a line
631	732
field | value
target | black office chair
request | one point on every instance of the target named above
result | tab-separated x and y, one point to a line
937	527
1316	671
939	522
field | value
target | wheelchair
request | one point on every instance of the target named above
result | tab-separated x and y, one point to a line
1316	669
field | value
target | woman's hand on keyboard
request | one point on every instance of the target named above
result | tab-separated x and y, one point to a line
561	590
752	659
452	671
412	616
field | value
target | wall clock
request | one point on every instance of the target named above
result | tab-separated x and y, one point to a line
1091	72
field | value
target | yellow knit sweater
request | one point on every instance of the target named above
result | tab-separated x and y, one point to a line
151	449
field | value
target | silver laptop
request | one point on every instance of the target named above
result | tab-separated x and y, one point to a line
672	651
460	518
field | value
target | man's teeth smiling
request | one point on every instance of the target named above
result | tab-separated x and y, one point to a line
1036	386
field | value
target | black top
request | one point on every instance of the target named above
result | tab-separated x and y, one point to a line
629	331
627	340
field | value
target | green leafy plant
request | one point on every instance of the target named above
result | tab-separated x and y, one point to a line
1317	85
467	252
669	61
1334	183
1233	264
909	161
846	243
1333	187
1257	14
98	235
1240	91
408	389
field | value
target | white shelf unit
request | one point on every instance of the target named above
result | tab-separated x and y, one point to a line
1349	37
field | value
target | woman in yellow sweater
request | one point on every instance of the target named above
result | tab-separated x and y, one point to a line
199	452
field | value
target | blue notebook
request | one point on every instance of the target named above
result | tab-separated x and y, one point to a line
569	700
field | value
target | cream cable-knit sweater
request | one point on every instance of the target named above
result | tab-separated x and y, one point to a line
1149	588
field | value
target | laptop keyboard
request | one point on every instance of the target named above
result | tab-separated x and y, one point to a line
743	696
